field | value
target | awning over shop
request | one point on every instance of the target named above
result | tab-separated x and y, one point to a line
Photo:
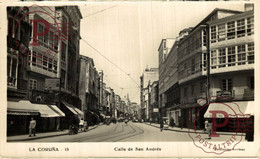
241	109
47	111
21	108
24	107
71	108
78	111
90	112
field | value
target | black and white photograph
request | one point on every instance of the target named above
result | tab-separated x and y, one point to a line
145	73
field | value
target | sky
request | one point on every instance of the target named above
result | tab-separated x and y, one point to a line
129	34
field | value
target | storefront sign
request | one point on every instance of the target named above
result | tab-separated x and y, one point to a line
155	110
52	84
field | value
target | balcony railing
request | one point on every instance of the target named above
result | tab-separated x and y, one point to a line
245	94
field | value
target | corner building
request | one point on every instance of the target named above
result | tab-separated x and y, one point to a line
192	68
232	65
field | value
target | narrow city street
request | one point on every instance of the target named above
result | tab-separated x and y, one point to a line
132	132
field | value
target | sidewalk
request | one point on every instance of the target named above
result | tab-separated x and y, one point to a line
18	138
177	129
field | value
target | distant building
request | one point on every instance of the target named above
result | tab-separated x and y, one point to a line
154	102
167	71
148	76
89	85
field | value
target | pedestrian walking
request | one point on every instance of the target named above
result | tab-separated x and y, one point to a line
32	127
172	122
206	125
209	128
161	124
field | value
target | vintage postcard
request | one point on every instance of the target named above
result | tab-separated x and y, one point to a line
129	79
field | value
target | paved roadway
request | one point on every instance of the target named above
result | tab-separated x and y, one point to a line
132	132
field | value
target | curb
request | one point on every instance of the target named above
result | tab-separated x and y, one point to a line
242	134
42	137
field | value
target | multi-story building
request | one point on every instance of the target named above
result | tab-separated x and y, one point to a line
154	102
123	108
168	77
192	67
48	61
232	63
106	94
164	50
111	101
101	90
89	85
117	105
16	69
148	76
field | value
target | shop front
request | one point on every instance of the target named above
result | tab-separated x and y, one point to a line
174	117
236	116
20	112
71	113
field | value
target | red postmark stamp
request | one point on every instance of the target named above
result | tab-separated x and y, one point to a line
47	31
225	126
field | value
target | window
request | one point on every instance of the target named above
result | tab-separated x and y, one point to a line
204	38
192	66
222	57
250	26
29	57
221	32
51	40
50	64
226	84
34	58
250	53
45	62
64	25
46	39
231	30
241	54
231	56
40	30
55	66
55	41
213	58
33	84
241	28
39	59
205	61
63	52
213	34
